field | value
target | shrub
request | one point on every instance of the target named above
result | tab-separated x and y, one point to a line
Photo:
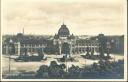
103	69
43	72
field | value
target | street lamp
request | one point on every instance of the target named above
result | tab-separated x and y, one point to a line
10	53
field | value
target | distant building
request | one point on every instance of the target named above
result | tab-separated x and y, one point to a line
24	43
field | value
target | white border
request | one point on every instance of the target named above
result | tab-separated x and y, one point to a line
125	56
125	40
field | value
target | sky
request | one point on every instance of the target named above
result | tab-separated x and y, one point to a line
82	17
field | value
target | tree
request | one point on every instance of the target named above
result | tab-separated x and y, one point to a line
42	72
103	69
74	72
56	71
53	63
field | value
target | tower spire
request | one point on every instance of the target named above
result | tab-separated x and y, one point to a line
63	20
23	30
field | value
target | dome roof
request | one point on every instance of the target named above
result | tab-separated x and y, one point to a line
63	31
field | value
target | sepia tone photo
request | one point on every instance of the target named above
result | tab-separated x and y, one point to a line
51	40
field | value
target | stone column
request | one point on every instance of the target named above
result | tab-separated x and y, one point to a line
84	49
59	49
43	50
18	48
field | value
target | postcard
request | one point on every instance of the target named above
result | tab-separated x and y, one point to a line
63	40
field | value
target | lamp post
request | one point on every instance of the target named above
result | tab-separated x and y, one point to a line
10	53
9	63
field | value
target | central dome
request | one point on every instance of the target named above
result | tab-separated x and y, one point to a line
63	31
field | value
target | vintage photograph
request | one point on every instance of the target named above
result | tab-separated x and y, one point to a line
63	40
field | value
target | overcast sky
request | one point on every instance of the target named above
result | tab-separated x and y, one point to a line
82	17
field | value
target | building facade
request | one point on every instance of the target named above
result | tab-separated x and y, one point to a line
64	41
23	44
74	46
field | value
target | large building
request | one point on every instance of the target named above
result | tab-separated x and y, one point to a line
67	43
23	43
64	41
